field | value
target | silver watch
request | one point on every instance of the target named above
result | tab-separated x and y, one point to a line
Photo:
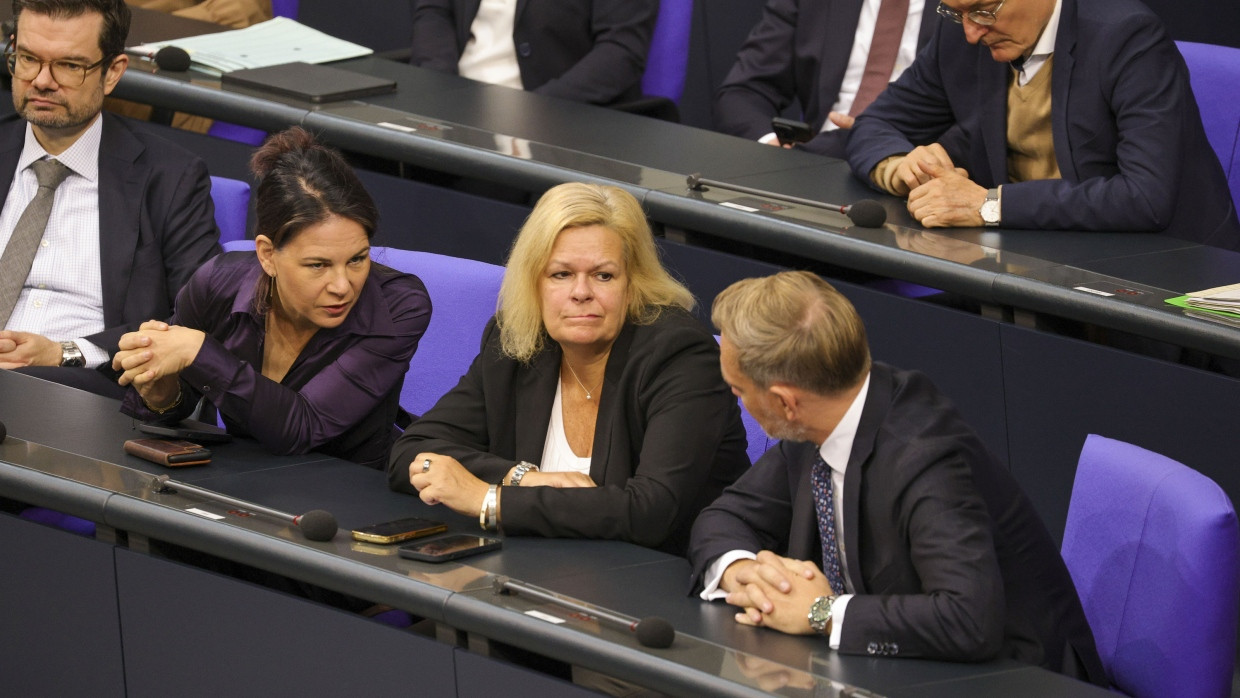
820	614
519	472
990	210
71	356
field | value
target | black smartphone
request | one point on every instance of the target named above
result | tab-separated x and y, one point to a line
396	531
789	131
188	430
449	547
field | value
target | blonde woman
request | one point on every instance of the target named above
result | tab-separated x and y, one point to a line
596	408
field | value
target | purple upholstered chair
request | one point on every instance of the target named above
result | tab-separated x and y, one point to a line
232	206
1153	548
463	296
1214	72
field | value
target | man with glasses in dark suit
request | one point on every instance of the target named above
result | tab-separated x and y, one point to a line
124	217
1072	115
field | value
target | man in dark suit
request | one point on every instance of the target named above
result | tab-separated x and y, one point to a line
585	50
1072	115
129	223
814	52
880	521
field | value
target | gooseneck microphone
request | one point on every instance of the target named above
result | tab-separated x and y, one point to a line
866	213
315	525
651	631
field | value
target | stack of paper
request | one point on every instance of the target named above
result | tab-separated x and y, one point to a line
276	41
1226	298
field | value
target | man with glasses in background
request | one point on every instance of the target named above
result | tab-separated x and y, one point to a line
102	222
1072	115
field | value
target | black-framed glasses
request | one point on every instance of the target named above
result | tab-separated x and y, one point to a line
24	66
983	18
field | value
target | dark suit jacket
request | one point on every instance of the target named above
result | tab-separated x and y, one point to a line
798	50
667	441
584	50
156	220
1128	136
947	556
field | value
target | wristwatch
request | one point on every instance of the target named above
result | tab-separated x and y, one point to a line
990	208
71	356
519	472
820	614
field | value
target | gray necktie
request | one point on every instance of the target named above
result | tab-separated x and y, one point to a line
19	254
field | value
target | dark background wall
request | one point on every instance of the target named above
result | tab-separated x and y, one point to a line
719	29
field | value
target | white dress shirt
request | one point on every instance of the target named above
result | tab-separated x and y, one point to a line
1042	51
558	456
63	295
835	452
491	56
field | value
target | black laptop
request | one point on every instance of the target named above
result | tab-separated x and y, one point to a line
313	83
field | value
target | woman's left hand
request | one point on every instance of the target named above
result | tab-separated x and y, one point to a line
445	481
157	350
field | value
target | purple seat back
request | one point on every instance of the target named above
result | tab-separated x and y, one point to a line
463	297
1153	546
232	206
1214	72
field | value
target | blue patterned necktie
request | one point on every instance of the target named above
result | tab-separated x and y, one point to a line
824	504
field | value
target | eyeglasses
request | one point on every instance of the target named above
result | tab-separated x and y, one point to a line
983	18
24	66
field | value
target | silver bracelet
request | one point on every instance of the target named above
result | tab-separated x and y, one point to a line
486	516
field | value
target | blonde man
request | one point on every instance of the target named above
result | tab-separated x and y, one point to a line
880	521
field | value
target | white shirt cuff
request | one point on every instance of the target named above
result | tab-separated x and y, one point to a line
714	573
769	139
837	619
93	355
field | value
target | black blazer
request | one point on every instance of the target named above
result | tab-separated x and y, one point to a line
798	51
667	441
585	50
156	220
947	556
1128	137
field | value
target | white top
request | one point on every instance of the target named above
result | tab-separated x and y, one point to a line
491	56
1043	50
558	456
834	451
63	295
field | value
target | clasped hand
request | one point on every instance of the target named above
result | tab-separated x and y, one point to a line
940	195
152	359
19	349
774	591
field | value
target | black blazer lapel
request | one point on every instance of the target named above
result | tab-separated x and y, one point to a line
602	465
838	22
1061	79
873	413
12	139
991	90
535	394
803	539
120	214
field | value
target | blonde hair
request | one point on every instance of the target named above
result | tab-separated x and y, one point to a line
651	289
794	328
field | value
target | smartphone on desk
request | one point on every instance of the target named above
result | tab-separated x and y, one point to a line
189	430
168	453
390	532
789	131
451	547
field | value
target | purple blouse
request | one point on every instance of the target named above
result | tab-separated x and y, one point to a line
342	394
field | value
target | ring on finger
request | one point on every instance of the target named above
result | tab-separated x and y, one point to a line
426	465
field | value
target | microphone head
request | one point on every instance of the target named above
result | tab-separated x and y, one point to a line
3	432
694	181
172	58
653	631
317	525
867	213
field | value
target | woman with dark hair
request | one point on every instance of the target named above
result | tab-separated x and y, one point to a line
302	344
